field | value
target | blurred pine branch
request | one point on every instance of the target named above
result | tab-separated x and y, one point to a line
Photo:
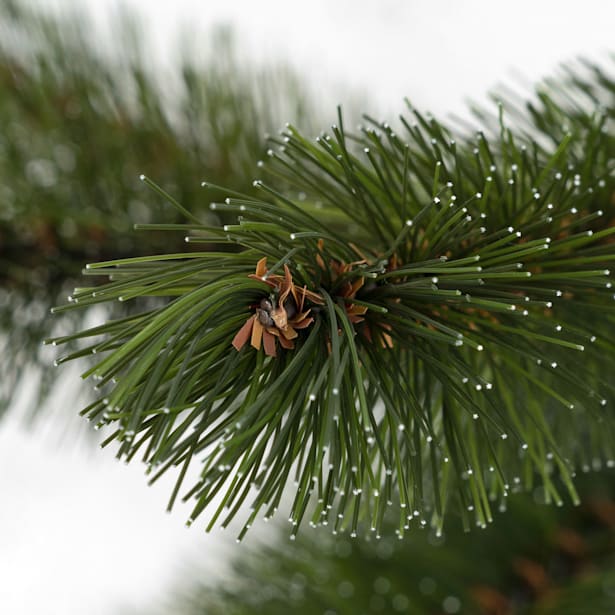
533	561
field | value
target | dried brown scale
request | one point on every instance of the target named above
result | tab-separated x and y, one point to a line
277	318
349	290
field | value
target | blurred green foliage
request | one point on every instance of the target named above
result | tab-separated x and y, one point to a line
79	128
535	560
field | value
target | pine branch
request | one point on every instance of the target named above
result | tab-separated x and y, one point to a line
421	323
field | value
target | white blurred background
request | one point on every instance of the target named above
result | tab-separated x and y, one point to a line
438	53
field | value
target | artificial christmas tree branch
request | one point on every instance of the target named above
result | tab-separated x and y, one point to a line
455	343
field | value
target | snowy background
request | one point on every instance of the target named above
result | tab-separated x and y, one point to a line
81	533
